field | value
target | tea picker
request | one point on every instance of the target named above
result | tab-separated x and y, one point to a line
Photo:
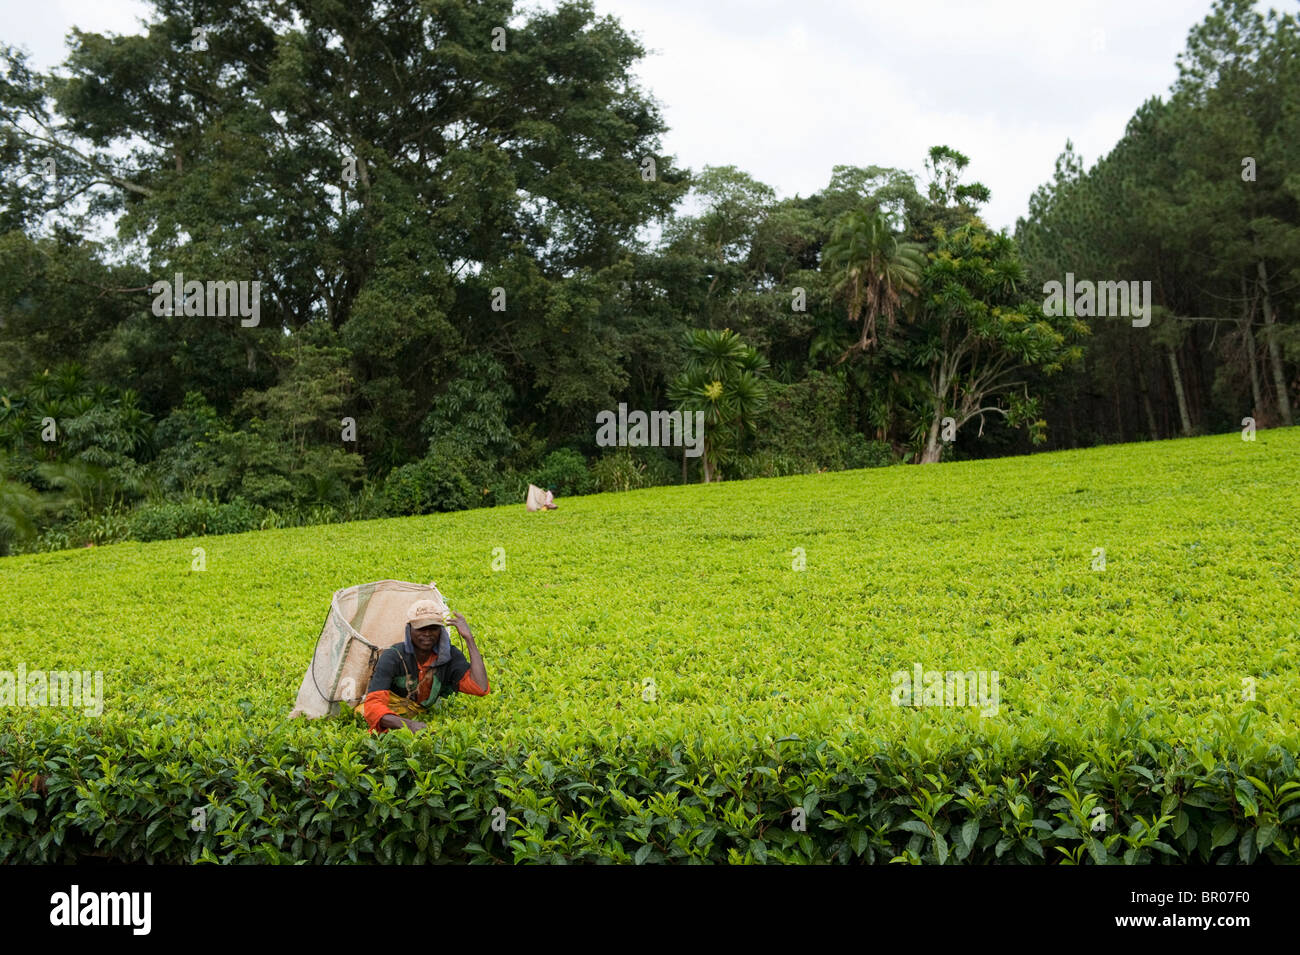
410	677
385	651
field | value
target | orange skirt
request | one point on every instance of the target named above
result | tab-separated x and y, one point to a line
401	705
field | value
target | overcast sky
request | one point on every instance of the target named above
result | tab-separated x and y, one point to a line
787	89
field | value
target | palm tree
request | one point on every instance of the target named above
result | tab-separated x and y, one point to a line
19	505
13	422
692	393
872	269
723	378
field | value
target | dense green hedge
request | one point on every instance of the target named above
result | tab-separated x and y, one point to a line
291	795
193	518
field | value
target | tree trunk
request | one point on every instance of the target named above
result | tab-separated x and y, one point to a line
1145	391
1256	396
1119	417
1274	352
1252	350
1178	392
1195	376
868	329
1165	426
933	448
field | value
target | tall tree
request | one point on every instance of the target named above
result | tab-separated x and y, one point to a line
980	332
873	269
382	168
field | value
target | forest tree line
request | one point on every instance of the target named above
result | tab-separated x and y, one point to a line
469	245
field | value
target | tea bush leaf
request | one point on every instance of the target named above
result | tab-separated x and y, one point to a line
1122	733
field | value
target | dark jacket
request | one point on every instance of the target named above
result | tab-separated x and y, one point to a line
397	671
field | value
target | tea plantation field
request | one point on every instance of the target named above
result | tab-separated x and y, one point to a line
707	673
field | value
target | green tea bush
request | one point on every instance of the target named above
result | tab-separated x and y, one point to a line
366	504
809	421
675	672
618	471
162	797
233	517
858	452
57	537
659	468
505	488
106	527
181	436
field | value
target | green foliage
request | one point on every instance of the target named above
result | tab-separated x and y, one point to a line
628	469
506	488
1140	213
807	428
980	334
434	483
566	471
251	464
861	453
725	379
1121	691
374	290
383	304
765	464
283	797
945	166
181	436
875	271
473	413
19	505
193	518
106	527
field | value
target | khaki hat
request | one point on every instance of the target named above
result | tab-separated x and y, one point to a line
427	612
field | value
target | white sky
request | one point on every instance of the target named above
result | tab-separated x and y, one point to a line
787	89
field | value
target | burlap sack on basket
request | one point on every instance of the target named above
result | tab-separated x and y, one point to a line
363	621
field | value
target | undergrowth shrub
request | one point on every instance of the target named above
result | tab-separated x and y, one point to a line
566	471
428	485
628	469
194	517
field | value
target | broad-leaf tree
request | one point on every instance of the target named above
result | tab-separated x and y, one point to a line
979	331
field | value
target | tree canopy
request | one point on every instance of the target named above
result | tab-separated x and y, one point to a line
468	243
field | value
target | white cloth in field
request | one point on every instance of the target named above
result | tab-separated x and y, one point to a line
539	500
363	621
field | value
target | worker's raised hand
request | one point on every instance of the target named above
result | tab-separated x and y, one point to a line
458	621
414	725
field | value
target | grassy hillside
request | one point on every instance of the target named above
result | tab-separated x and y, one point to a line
979	566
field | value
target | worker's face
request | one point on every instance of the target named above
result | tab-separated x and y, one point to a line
426	638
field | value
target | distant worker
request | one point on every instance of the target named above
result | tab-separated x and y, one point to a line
411	676
539	500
